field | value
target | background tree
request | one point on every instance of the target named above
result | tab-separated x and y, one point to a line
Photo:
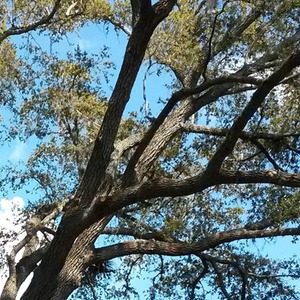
181	194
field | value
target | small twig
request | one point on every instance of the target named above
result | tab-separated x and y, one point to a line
293	149
209	51
266	153
144	87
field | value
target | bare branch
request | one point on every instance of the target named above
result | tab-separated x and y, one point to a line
267	155
243	135
209	49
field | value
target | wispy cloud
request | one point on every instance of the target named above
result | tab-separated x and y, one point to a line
86	44
8	206
18	152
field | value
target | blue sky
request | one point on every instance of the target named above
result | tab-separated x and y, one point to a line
91	38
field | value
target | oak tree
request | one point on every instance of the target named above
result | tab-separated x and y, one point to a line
182	194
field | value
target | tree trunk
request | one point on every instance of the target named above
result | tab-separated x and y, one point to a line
48	281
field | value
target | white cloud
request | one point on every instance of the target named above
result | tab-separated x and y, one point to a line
9	226
8	205
86	44
18	152
9	210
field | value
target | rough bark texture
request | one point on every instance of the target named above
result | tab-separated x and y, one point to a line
176	249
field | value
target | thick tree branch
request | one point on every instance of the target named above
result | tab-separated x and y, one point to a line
36	223
169	127
138	8
270	176
246	70
125	145
174	188
156	235
78	262
163	134
103	147
176	249
175	98
20	272
166	128
28	263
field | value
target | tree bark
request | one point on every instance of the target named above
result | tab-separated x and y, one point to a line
180	248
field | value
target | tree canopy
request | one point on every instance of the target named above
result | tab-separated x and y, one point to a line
177	191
